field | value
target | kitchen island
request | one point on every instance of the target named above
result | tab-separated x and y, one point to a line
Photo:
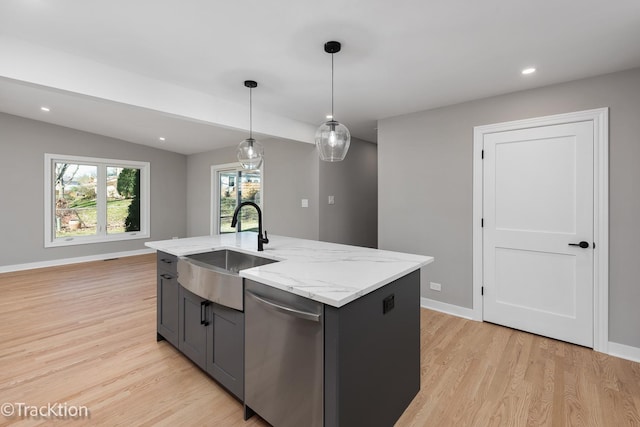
351	357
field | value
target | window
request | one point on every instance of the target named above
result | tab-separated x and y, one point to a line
233	185
91	200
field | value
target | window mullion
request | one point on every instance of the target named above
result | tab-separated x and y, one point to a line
101	200
219	202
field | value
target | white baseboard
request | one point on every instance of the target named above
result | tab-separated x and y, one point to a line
444	307
65	261
624	351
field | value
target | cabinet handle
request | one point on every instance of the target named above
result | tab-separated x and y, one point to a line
166	261
166	276
203	313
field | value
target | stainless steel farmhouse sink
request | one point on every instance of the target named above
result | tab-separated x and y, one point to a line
214	275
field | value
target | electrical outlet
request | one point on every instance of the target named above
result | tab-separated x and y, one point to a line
305	203
332	200
388	303
435	286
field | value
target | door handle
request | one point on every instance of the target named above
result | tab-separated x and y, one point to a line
583	244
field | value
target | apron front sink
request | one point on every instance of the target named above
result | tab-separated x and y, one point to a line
215	275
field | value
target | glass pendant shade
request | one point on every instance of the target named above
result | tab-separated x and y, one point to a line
250	153
332	140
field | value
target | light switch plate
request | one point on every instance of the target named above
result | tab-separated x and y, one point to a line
305	203
332	200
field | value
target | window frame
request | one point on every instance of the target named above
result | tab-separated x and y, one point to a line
101	236
215	192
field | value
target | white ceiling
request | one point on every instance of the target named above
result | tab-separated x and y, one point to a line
174	68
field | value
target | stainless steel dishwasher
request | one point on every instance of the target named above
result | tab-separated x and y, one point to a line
284	357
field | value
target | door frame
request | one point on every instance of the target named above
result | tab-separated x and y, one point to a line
600	119
215	196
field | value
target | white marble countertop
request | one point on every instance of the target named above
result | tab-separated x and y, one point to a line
329	273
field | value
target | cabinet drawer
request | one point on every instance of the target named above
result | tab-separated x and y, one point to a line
167	262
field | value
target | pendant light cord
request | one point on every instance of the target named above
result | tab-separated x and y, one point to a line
250	113
332	117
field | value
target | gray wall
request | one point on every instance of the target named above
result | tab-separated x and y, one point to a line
292	172
23	143
199	188
353	219
181	190
290	175
425	178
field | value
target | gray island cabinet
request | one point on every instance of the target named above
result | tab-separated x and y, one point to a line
168	295
372	357
328	336
211	335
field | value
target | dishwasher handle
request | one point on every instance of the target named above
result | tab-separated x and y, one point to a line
284	309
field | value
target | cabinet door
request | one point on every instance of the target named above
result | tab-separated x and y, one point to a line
194	314
167	307
225	357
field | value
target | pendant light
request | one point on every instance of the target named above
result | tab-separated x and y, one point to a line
250	152
332	137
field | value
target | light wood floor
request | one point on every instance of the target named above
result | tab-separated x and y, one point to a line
85	335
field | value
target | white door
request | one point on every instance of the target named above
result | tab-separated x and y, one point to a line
537	204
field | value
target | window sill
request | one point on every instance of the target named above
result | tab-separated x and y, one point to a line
85	240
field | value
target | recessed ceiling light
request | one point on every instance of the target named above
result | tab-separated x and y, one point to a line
45	109
162	138
529	70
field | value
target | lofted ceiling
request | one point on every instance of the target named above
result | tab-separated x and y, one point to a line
175	68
